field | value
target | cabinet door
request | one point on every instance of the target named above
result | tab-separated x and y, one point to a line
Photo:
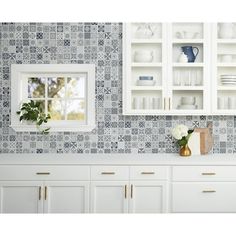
188	68
207	197
66	197
109	197
21	197
148	197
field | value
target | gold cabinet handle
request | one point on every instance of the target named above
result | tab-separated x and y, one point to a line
125	191
40	193
108	173
147	173
208	191
208	173
169	103
164	103
43	173
131	193
45	192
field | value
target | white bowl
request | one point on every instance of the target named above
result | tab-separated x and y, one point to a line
188	100
146	82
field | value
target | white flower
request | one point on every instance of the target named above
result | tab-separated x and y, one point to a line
180	131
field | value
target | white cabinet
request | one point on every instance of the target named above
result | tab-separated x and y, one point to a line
156	80
148	197
21	197
138	189
109	197
224	68
66	197
44	189
203	189
120	188
206	197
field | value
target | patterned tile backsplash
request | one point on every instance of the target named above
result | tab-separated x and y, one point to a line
101	44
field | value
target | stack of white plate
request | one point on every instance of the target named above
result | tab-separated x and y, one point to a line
228	79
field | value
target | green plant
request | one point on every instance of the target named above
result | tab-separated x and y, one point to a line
32	111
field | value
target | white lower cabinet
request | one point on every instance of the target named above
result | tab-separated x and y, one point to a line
148	197
204	197
117	189
20	197
66	197
109	197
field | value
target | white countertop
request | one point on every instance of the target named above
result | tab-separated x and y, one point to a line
116	159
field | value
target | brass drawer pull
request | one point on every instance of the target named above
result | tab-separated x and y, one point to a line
209	173
147	173
108	173
40	193
208	191
45	192
131	194
43	173
125	191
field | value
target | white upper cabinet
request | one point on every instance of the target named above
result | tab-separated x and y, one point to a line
179	68
224	68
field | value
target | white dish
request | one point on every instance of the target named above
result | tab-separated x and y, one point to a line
146	82
187	107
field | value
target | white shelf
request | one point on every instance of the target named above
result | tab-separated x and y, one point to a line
227	88
141	88
151	41
229	64
187	88
193	64
180	41
146	64
226	41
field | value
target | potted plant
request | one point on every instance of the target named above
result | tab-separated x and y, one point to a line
32	112
182	134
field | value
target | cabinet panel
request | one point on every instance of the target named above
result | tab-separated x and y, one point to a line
109	197
44	172
20	197
204	173
149	172
204	197
148	197
109	172
66	197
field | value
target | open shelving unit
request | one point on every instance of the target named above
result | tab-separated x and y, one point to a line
224	63
173	80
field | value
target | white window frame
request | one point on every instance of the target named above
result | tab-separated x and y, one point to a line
18	72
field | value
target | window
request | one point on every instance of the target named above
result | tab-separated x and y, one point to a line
66	92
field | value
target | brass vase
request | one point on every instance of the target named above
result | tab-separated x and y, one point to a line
185	151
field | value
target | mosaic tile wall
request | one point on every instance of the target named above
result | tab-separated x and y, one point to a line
99	43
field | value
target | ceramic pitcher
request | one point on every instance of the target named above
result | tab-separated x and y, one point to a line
189	52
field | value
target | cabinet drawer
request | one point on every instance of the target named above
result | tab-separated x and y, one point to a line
109	172
204	197
44	172
204	173
148	172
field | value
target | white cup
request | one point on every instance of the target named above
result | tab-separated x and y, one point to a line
138	102
156	103
226	103
220	103
226	58
230	103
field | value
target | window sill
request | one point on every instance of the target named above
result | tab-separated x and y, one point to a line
32	128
